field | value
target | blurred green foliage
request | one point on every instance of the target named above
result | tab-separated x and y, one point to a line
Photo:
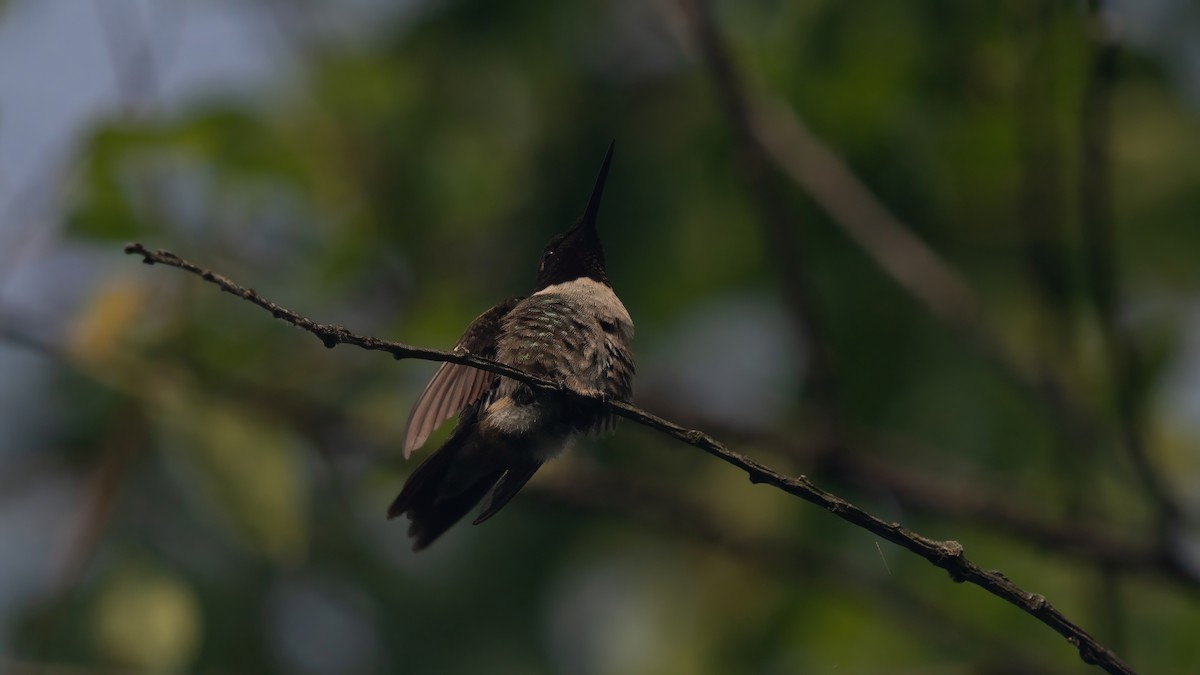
401	184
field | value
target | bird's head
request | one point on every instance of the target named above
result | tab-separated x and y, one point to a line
577	252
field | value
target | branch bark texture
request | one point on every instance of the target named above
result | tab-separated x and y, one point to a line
947	555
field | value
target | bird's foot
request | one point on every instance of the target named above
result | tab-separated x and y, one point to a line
594	394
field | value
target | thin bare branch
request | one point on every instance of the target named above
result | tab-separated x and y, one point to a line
1124	357
98	504
99	500
947	555
832	184
888	241
782	233
673	515
777	133
954	495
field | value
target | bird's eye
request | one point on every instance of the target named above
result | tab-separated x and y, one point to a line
545	256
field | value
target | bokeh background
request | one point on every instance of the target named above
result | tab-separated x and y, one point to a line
941	257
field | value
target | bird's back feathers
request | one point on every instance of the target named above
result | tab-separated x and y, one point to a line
573	330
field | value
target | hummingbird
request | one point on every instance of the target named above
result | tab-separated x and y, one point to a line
571	329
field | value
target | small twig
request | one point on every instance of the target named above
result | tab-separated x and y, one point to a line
1118	343
947	555
910	262
94	517
1088	540
883	558
948	495
676	516
862	464
99	501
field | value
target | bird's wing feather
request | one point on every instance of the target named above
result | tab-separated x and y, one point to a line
455	386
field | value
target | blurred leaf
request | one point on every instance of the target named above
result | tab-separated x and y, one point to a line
148	620
128	164
99	333
401	172
103	209
253	472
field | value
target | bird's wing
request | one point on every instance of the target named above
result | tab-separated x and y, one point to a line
455	386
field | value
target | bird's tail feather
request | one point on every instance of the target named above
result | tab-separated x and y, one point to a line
455	479
434	503
515	477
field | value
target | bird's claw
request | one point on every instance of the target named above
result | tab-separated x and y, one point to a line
596	395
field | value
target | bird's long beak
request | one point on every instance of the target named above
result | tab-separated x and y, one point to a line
593	205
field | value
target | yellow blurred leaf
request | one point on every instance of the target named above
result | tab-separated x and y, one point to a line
148	621
100	330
